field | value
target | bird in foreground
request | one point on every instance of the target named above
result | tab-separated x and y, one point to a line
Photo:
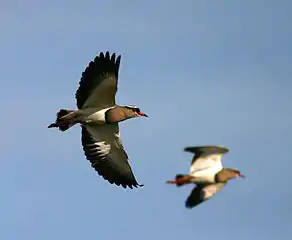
207	173
99	115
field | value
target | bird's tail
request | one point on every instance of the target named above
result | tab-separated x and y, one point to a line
177	181
62	122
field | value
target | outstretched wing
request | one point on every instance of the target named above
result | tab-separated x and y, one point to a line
103	147
98	84
202	193
206	150
206	157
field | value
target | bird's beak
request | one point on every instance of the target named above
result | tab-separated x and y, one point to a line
142	114
241	175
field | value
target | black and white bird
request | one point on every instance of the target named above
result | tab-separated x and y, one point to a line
99	116
207	173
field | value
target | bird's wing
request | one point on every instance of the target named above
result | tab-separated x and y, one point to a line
103	147
98	84
206	157
201	193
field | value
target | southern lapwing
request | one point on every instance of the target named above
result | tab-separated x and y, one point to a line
99	115
206	172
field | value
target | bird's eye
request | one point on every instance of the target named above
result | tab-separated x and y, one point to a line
137	110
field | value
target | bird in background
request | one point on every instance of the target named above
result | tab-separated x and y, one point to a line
206	172
99	117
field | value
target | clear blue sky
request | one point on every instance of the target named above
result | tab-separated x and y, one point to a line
206	72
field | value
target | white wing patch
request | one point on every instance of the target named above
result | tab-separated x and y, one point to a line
103	149
210	190
207	162
117	135
216	157
206	167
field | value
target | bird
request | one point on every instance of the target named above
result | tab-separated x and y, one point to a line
99	117
206	172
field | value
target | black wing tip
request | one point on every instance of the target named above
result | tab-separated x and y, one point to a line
194	149
109	56
190	150
189	206
187	149
119	183
125	186
103	63
191	203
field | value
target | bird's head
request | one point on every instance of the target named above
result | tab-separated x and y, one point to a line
227	174
133	111
122	113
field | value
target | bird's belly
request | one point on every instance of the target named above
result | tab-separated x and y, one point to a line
205	176
93	116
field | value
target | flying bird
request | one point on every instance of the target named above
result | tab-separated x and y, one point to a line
99	117
207	173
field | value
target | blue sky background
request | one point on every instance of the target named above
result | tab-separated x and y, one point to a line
206	72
